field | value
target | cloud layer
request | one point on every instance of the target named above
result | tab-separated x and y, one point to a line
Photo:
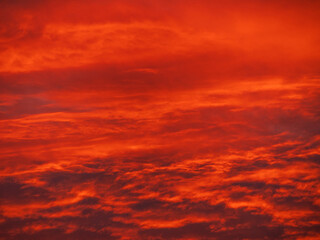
159	120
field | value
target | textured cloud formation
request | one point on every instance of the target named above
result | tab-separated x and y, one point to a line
159	119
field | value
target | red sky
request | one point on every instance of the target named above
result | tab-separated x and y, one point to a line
159	119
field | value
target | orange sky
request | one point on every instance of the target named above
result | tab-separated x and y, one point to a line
159	119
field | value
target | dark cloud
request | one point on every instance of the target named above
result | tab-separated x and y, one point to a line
204	231
14	192
28	106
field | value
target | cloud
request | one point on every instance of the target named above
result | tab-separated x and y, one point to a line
159	120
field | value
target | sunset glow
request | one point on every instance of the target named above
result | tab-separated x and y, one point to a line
159	119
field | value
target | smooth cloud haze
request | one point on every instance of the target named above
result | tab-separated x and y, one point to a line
159	119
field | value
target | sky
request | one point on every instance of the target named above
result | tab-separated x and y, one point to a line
159	120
